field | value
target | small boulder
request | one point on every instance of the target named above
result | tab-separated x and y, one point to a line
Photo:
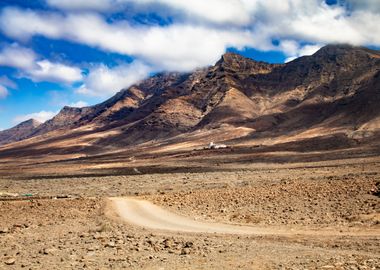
10	261
110	244
185	251
168	243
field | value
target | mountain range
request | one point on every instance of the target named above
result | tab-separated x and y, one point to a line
333	94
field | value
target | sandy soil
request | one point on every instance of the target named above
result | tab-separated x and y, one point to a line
336	203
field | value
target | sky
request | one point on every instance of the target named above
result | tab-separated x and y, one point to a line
56	53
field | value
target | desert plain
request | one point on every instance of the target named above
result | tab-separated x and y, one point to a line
282	213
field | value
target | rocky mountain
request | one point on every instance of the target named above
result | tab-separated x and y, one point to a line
336	90
19	132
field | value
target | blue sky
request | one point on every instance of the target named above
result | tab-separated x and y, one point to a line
77	53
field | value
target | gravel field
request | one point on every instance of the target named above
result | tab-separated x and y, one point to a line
84	232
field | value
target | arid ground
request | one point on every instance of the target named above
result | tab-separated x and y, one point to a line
299	215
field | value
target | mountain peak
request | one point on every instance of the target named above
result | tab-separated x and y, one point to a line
237	63
35	122
69	110
231	59
345	50
19	132
30	122
335	49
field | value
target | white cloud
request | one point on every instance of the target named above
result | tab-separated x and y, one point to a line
235	12
313	21
41	116
28	22
309	49
185	47
289	47
299	51
215	11
176	47
97	5
17	56
373	5
79	104
37	70
104	81
56	72
3	92
6	83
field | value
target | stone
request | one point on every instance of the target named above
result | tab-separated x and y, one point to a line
10	261
185	251
188	244
110	244
168	243
4	230
47	251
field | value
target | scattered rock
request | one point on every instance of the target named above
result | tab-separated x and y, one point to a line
188	244
10	261
168	243
185	251
4	230
111	244
47	251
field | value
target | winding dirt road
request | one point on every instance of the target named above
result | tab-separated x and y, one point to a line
147	215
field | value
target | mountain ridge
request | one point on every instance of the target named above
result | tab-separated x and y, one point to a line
335	89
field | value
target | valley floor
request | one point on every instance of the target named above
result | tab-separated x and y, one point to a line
322	215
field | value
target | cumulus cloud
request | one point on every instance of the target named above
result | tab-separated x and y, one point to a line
31	23
56	72
79	104
175	47
362	4
3	92
41	116
97	5
6	83
104	81
17	56
37	70
215	11
235	12
296	50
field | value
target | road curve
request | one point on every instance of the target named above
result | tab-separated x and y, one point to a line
147	215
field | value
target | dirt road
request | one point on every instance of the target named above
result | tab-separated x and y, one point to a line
148	215
145	214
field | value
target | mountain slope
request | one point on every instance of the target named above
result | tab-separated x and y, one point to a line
334	91
19	132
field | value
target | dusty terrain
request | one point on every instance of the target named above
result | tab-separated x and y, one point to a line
320	215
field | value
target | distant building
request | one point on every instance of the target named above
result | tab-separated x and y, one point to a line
213	145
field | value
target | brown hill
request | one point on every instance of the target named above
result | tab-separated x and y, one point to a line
333	93
19	132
